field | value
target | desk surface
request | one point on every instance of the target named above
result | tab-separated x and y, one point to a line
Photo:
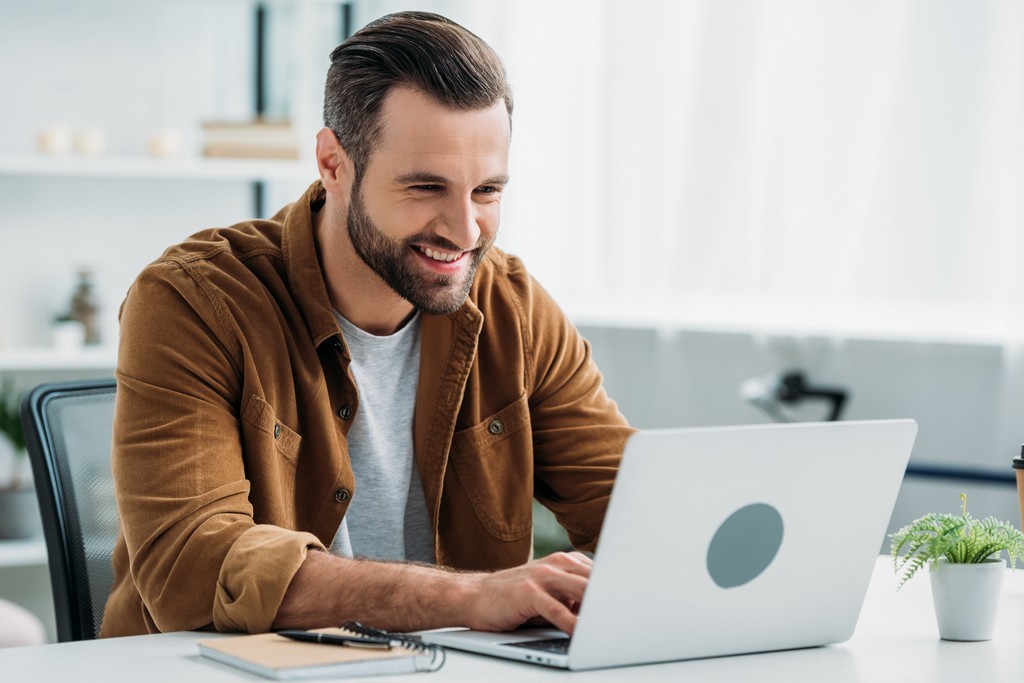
896	639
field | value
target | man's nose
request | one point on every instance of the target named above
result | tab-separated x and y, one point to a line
460	222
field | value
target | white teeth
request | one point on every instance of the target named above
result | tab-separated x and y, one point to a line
439	255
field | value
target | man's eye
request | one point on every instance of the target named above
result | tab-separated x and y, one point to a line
426	188
488	189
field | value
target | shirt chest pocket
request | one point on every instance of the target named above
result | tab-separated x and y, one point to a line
265	436
494	464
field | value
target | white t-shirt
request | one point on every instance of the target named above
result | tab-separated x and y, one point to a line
387	516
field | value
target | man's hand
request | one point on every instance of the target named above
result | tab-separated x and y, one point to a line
550	589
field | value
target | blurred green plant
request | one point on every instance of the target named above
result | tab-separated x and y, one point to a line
548	535
10	426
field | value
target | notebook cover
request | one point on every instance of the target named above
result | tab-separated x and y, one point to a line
277	657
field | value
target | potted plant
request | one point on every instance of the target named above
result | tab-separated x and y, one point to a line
19	514
964	556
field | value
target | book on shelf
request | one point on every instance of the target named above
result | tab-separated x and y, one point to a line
259	138
249	152
274	656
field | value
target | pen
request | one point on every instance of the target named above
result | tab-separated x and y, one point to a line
332	639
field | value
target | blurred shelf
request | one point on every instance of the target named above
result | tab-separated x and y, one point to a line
28	552
182	168
49	358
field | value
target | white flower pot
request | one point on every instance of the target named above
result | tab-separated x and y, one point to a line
966	597
68	336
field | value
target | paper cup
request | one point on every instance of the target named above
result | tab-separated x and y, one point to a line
1018	466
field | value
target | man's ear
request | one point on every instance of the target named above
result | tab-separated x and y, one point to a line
337	172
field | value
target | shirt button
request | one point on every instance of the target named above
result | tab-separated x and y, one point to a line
337	346
496	427
277	431
346	412
341	495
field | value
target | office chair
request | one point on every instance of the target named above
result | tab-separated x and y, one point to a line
68	431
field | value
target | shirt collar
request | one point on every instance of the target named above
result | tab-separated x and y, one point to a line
305	277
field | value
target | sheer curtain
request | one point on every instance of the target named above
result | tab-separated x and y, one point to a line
812	166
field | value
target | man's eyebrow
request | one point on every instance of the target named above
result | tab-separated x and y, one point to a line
420	177
425	177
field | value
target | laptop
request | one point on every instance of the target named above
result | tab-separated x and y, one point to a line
722	541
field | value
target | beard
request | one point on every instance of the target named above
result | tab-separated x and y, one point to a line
394	262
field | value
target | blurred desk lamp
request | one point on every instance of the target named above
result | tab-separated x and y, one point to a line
771	392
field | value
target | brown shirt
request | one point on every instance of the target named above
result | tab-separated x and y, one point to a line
233	403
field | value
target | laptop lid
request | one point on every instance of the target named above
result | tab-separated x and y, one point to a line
732	540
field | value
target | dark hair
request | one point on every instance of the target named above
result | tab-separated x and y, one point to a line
421	50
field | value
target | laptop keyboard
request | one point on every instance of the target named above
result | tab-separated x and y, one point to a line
558	646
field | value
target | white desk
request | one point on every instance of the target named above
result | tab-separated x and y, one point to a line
896	639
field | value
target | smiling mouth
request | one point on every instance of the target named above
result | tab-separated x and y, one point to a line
440	256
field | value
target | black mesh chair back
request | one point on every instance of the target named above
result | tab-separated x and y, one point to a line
68	431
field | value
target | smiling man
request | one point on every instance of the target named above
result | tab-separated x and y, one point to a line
344	412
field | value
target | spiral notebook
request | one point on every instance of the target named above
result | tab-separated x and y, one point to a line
273	656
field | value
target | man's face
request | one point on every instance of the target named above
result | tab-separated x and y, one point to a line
427	207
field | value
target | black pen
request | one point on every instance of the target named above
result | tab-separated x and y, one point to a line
333	639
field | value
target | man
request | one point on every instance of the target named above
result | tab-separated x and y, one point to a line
362	373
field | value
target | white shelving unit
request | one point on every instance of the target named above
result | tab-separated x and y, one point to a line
29	552
182	168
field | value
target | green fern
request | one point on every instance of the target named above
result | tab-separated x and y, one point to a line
961	539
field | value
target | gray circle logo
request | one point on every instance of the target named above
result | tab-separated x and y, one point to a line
744	545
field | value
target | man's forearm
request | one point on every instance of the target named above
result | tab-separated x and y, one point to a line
329	590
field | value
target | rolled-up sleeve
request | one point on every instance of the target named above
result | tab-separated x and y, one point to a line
250	587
